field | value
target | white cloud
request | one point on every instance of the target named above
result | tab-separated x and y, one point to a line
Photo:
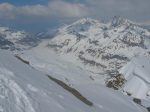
57	8
7	10
35	10
68	9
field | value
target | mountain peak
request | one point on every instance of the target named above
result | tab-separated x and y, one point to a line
118	21
86	21
2	29
81	25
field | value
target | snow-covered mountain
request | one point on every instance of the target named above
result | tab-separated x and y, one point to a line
24	89
11	34
65	73
101	47
16	40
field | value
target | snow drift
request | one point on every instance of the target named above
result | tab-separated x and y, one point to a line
137	74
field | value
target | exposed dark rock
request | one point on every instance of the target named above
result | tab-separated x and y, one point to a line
112	56
54	46
91	62
148	109
95	42
21	59
129	39
73	91
138	101
115	82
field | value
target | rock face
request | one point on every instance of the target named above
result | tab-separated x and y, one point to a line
101	47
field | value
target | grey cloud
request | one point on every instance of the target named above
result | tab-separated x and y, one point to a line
68	9
137	10
57	8
7	10
57	12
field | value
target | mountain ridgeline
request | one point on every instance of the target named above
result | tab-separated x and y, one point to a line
102	46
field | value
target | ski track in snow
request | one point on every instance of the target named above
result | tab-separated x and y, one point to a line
12	97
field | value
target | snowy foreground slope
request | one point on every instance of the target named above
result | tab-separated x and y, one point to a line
24	89
137	74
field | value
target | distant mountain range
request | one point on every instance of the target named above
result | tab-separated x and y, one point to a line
102	47
18	40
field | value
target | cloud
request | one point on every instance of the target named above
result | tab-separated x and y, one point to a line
57	8
7	10
136	10
56	12
68	9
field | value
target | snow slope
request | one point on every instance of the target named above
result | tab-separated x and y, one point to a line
48	62
24	89
137	74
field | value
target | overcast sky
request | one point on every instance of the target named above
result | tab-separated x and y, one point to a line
38	15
